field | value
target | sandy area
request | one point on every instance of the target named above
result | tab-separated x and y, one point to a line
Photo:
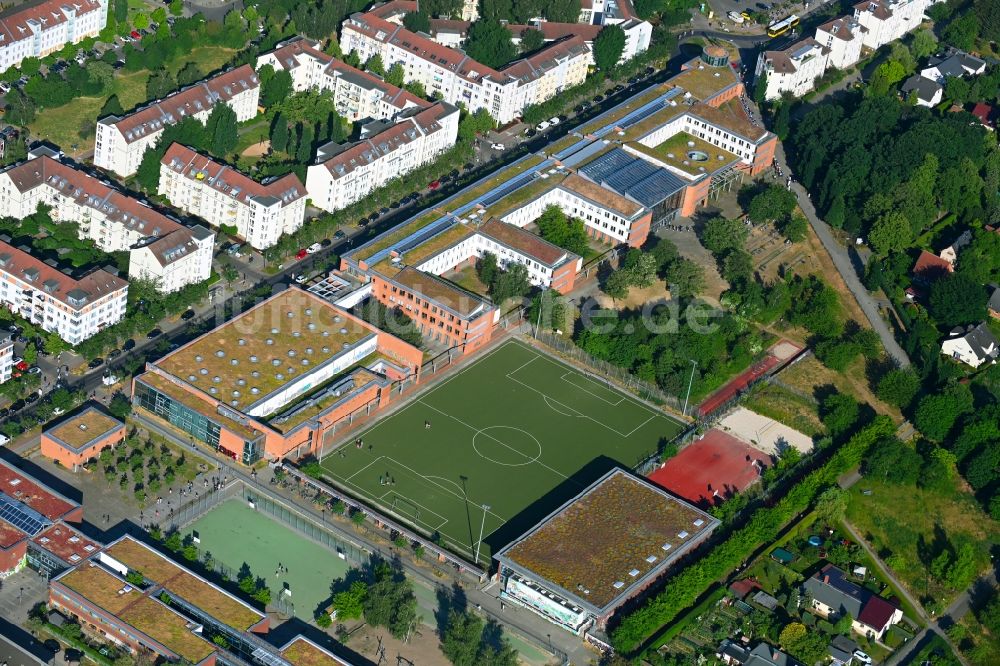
766	434
257	149
423	648
784	350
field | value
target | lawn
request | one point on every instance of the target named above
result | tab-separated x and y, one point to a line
902	522
496	447
236	534
786	407
207	58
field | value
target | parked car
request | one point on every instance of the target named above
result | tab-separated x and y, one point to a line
22	366
598	99
95	362
301	279
498	146
135	34
734	17
16	406
31	397
301	254
17	361
314	248
434	184
34	370
554	120
114	353
862	657
118	64
188	314
129	345
338	235
155	333
383	210
544	125
4	87
326	242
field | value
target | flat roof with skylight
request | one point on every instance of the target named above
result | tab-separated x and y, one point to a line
689	154
88	426
606	542
266	349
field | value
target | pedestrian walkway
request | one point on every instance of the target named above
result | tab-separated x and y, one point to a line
843	264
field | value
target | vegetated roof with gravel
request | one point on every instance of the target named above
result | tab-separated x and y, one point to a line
608	538
302	652
84	428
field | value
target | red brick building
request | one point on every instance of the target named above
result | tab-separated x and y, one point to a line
81	437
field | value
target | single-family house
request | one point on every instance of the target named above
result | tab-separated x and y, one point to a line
950	253
993	305
930	267
928	92
973	345
832	595
876	617
767	655
841	650
953	64
986	115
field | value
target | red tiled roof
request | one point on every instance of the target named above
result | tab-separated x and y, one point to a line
843	28
422	47
876	613
877	8
368	150
66	543
224	178
931	262
394	8
984	112
286	54
524	242
23	488
89	191
199	97
14	23
55	283
550	29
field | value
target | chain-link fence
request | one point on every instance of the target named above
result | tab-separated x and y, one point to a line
638	387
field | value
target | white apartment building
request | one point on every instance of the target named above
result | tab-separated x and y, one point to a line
6	356
794	69
457	78
74	309
357	95
842	38
121	142
888	20
345	173
115	221
261	212
36	29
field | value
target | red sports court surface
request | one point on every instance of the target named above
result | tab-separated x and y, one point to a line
779	353
717	463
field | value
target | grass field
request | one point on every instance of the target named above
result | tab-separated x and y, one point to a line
516	431
236	534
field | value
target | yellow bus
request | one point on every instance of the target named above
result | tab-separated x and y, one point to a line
778	28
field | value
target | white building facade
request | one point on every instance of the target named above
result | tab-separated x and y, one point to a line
459	79
842	38
122	141
888	20
115	221
357	95
220	195
6	356
793	70
344	174
73	309
40	28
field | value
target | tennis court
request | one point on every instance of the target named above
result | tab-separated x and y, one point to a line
234	533
517	432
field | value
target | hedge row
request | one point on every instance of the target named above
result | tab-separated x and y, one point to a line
764	526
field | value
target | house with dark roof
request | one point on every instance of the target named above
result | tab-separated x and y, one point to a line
953	64
833	595
841	651
973	345
876	617
993	305
928	92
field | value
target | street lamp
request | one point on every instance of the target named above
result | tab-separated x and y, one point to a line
486	507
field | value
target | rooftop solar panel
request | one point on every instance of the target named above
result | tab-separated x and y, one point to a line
422	235
499	193
629	175
22	516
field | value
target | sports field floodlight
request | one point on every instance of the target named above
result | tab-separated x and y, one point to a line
486	507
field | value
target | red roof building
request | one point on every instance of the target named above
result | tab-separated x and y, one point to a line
877	616
931	267
986	115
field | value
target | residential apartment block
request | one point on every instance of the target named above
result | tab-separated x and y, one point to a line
72	308
35	29
794	69
838	43
6	356
121	141
458	78
842	38
160	248
888	20
221	195
345	173
357	94
281	379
